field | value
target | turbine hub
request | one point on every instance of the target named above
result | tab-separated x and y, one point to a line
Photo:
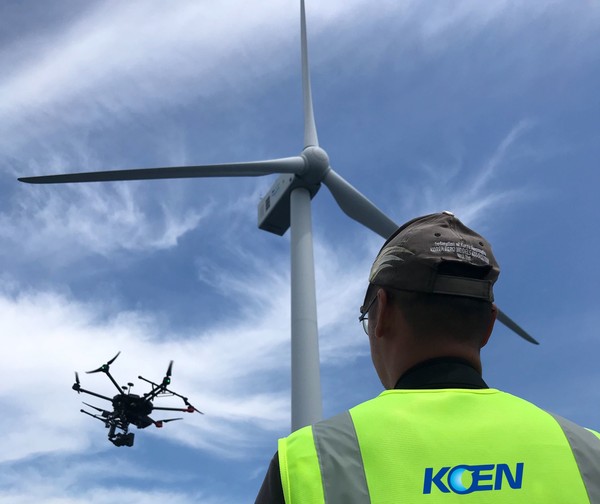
317	164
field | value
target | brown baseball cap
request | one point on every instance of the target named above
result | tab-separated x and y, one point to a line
435	254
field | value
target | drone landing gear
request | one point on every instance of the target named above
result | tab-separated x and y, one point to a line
121	439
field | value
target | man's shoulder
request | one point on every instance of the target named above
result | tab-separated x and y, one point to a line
505	401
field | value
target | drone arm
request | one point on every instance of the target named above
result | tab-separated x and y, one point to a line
79	389
156	389
189	409
113	380
97	417
168	409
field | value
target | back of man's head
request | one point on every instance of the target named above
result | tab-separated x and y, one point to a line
440	274
437	318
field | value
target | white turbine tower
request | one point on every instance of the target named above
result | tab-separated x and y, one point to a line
287	205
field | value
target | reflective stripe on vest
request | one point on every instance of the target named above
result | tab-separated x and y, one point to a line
586	449
342	470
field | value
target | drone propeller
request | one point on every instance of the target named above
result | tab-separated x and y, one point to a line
159	423
105	367
167	379
191	408
77	384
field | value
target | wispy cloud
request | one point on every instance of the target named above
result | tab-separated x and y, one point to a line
99	219
493	164
124	58
472	192
48	482
120	59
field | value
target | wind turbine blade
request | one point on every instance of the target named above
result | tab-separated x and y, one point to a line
310	128
513	326
248	169
358	207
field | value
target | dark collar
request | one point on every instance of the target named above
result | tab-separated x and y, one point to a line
443	372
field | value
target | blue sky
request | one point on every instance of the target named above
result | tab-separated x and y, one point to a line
489	109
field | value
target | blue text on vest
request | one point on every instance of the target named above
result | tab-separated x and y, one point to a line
465	479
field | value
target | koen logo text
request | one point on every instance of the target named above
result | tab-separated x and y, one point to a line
466	479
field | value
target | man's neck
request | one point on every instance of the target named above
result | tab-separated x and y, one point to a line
442	372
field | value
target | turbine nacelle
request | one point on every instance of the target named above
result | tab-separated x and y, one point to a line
274	208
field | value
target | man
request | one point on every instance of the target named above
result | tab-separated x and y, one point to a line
438	432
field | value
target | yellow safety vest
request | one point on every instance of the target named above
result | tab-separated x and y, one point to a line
442	446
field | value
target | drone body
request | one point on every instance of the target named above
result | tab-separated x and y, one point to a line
131	409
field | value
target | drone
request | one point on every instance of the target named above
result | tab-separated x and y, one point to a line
131	409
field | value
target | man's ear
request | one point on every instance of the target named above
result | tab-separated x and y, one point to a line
491	326
382	316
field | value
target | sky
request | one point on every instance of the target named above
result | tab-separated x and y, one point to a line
488	109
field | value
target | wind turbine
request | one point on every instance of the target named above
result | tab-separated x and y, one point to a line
286	206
